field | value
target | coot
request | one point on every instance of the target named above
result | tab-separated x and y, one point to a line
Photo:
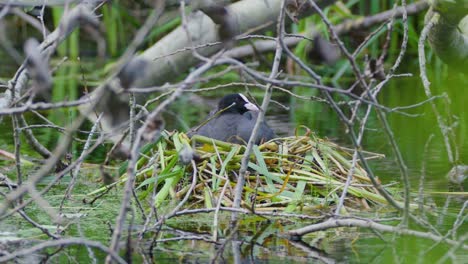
233	121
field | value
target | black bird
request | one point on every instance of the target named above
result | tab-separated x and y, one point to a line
233	121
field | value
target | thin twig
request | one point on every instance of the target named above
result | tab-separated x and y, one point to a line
266	100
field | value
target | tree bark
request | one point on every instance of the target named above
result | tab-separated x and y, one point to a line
248	14
449	35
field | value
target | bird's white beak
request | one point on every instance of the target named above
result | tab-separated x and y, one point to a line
251	107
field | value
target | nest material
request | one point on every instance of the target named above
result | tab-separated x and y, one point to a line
286	174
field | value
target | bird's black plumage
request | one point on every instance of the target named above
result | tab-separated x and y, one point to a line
233	121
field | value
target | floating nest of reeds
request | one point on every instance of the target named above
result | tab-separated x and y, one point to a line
285	174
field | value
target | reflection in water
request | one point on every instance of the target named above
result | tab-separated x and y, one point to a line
262	245
318	254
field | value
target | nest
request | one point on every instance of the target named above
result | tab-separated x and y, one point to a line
284	174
